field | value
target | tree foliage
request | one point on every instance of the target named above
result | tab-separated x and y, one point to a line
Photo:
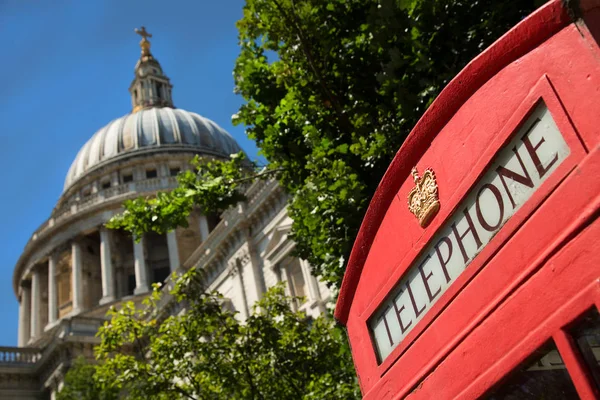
332	89
79	383
205	352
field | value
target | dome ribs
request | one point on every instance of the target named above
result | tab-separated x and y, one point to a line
154	129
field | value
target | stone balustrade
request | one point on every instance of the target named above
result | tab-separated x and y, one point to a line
113	191
90	199
61	214
160	183
71	208
19	355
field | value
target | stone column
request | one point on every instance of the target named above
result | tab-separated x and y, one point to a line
52	292
314	294
35	303
141	274
285	276
114	179
108	283
24	314
76	278
311	281
256	277
236	274
285	272
204	232
173	250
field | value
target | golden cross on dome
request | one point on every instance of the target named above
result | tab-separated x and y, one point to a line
144	44
143	33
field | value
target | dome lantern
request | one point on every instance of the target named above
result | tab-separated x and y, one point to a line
150	87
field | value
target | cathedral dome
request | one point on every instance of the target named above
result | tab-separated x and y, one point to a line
150	130
154	125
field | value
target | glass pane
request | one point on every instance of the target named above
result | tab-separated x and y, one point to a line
542	376
587	336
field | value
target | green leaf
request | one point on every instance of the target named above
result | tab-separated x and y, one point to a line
276	353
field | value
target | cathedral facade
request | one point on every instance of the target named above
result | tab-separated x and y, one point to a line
73	268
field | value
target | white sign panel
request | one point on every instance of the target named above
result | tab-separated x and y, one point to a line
518	170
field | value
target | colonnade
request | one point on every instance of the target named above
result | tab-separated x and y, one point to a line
30	306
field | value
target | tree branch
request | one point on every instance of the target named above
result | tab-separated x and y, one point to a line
249	377
259	175
185	393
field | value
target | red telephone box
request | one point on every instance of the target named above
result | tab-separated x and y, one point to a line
476	269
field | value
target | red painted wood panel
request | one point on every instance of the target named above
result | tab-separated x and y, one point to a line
546	58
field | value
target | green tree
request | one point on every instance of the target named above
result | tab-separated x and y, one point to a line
79	383
206	353
348	82
332	89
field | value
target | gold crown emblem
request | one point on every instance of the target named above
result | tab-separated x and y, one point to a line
423	198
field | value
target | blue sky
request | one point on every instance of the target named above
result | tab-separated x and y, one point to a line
66	67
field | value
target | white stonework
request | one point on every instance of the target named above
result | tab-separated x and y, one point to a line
24	315
35	304
73	269
141	273
108	285
52	299
76	278
173	251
